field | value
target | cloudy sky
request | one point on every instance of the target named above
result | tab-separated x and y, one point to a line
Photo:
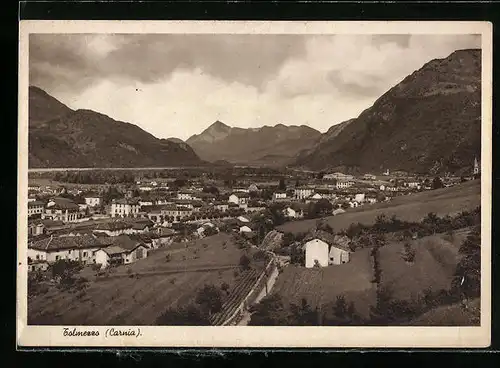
177	85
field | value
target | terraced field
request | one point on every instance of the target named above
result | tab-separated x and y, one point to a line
234	299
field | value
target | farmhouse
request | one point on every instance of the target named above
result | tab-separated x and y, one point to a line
124	250
35	208
369	177
323	249
124	207
61	209
75	248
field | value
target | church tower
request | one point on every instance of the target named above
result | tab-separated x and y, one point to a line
476	166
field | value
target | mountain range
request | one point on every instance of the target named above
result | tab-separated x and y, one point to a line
429	122
62	137
268	145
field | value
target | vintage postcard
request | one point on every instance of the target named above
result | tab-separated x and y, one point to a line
254	184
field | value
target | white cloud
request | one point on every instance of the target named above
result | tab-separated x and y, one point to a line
334	80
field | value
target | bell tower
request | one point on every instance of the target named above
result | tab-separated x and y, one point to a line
476	166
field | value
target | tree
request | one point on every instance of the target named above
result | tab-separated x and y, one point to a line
209	231
210	299
297	255
303	314
211	189
432	221
408	254
380	314
244	262
282	184
269	312
467	277
344	314
324	225
323	207
190	315
437	183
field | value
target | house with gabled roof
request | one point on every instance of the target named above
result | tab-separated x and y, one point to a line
123	250
323	249
74	248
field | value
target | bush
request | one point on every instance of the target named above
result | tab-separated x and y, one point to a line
225	287
210	299
408	254
190	315
244	262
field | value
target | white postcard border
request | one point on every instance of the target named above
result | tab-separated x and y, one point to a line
246	336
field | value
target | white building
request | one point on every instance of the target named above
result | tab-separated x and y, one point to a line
343	184
325	249
337	176
93	200
123	207
245	229
123	251
185	196
302	193
316	252
243	219
75	248
338	256
360	197
290	212
61	209
239	198
277	196
35	208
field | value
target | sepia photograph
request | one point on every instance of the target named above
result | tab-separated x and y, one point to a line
190	183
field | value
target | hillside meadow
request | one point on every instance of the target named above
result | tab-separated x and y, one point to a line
138	293
435	261
414	207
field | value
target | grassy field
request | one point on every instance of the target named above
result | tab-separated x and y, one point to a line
436	258
412	207
352	279
451	315
435	261
137	297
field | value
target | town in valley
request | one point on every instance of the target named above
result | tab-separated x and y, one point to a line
372	222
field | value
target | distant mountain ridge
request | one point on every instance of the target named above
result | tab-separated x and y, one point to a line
268	145
62	137
429	122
